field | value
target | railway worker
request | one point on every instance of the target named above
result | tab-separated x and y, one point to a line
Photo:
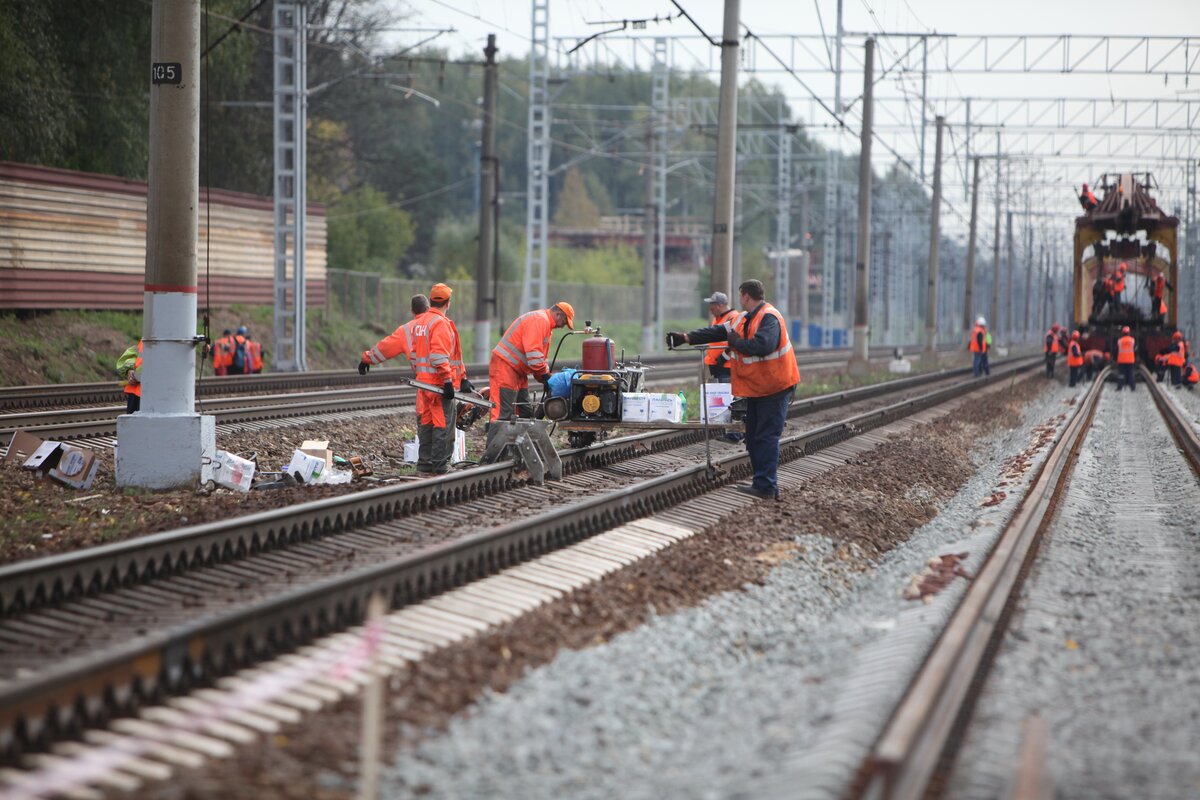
437	359
1093	362
1176	358
1050	347
129	367
1191	376
398	342
1160	367
1126	359
522	352
763	370
717	358
240	361
255	351
1074	359
223	353
1158	303
980	341
1118	287
1087	199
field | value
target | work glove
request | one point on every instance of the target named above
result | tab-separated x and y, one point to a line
448	390
364	367
676	339
467	386
734	336
545	379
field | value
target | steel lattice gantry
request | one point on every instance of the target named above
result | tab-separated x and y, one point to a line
537	179
291	201
660	88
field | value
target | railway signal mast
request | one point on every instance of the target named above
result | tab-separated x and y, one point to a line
166	443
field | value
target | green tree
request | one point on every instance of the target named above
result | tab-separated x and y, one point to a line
365	233
36	106
575	208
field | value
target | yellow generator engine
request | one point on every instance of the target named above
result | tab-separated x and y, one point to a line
596	397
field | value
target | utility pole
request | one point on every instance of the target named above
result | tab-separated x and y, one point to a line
1028	275
1009	316
166	443
969	290
837	70
930	353
859	356
485	263
649	249
722	232
800	313
994	312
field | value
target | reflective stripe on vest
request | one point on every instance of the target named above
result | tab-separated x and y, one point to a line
510	350
1125	347
713	354
761	376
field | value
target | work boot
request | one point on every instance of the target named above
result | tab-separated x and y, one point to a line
759	493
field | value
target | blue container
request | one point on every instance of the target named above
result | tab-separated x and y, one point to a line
560	383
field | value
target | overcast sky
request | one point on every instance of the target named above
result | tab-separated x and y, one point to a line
510	20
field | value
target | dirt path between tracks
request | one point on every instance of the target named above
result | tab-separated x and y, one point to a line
868	506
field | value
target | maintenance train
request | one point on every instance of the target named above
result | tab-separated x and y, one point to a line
1124	235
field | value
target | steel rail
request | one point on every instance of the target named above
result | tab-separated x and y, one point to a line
1180	426
34	583
907	754
70	694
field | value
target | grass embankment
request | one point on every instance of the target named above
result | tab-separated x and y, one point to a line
83	346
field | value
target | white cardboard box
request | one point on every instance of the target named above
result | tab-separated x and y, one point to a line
233	472
718	397
75	468
306	468
665	408
635	407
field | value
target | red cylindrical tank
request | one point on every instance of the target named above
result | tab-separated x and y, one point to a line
598	354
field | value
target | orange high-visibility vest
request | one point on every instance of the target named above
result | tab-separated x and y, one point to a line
979	340
761	376
398	342
713	353
1191	374
1125	350
136	387
1074	355
1176	356
526	344
437	352
1051	344
1118	283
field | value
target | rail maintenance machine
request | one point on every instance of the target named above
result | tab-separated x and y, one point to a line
588	402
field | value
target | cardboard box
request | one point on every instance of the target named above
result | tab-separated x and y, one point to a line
306	468
635	407
76	467
233	472
44	458
665	408
21	447
717	399
317	449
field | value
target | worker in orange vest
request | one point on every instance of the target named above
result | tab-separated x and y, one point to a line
398	343
979	349
129	368
437	359
1191	376
1119	283
1160	367
1050	348
1093	362
1074	359
763	370
523	351
255	352
1176	357
1158	303
717	358
1087	199
1126	359
223	353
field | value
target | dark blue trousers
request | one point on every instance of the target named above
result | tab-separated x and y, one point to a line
764	424
1125	377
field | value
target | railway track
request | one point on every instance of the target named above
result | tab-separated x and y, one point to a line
96	634
96	425
913	754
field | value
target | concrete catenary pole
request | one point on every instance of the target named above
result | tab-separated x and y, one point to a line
800	285
969	289
994	312
859	358
649	250
166	443
931	282
722	232
1010	315
1028	274
485	263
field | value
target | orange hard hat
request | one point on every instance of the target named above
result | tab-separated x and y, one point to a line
569	310
1074	334
1178	334
1121	267
1056	327
440	292
1125	329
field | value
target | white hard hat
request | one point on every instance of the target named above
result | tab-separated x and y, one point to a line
981	321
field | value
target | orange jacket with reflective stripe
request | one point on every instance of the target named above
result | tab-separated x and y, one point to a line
1125	350
525	346
135	387
1074	355
398	342
761	376
1051	343
713	353
979	340
1177	355
223	352
437	352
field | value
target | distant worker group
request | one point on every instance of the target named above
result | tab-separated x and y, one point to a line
237	353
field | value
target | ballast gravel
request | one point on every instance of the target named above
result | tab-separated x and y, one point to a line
753	693
1104	643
